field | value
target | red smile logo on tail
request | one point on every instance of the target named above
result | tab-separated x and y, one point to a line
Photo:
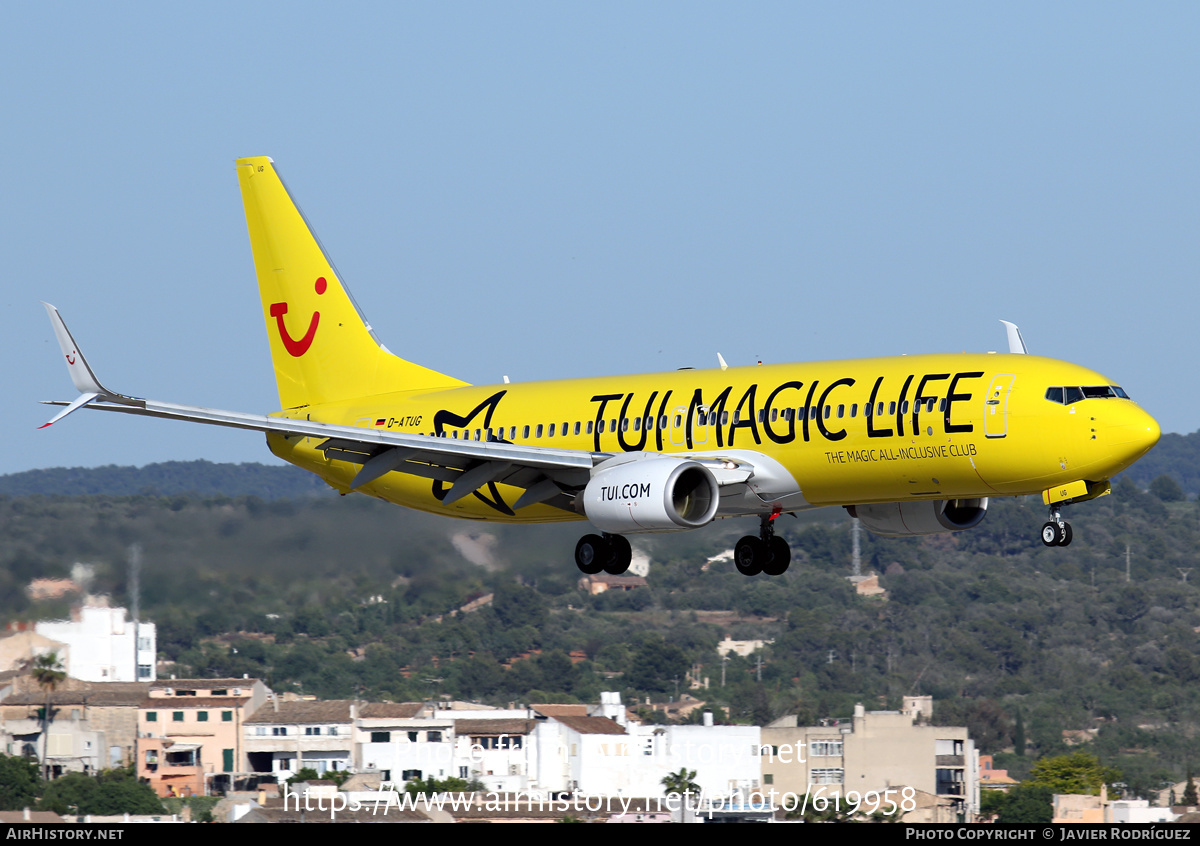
300	347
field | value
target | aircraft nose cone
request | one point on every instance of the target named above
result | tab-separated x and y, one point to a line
1151	431
1136	432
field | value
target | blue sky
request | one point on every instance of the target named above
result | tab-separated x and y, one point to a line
566	189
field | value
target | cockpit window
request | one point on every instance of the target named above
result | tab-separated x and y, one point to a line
1072	395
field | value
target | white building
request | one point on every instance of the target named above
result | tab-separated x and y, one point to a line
103	645
744	648
588	750
1138	812
598	757
282	738
591	750
400	742
500	752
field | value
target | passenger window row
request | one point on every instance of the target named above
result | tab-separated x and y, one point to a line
704	417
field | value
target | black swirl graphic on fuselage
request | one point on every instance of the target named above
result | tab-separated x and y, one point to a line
446	419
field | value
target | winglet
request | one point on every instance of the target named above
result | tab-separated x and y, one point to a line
85	380
81	400
1016	344
81	373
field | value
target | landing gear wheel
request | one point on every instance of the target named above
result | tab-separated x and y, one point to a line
591	554
1064	535
1050	534
781	557
748	555
620	554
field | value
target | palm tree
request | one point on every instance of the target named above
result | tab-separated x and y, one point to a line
680	783
48	673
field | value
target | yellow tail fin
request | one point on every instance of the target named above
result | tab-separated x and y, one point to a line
322	347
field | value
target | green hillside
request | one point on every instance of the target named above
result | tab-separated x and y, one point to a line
170	478
1177	456
349	595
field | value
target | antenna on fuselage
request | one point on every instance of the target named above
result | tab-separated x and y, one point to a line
1016	344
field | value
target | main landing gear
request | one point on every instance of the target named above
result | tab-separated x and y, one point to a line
1057	532
767	553
610	553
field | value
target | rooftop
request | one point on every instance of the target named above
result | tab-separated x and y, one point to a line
501	726
302	711
391	710
95	694
592	725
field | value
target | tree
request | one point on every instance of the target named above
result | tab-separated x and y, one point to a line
517	605
1025	803
48	673
558	673
656	664
19	783
681	783
762	708
992	802
1075	773
304	774
1019	735
1189	792
432	786
111	792
338	777
1167	489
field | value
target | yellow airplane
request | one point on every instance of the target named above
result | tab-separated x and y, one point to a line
910	445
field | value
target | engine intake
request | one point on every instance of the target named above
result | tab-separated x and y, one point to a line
908	519
651	495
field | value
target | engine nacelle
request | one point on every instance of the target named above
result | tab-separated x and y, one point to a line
907	519
651	495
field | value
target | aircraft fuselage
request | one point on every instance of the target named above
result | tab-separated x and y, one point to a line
938	427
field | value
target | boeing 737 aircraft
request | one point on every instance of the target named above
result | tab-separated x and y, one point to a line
909	445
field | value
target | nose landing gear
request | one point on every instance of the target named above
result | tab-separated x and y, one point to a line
768	553
1057	532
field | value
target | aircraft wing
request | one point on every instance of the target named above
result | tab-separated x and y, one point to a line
547	475
383	452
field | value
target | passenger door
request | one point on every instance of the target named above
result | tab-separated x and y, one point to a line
995	409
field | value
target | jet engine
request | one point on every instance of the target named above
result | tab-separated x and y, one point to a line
906	519
656	494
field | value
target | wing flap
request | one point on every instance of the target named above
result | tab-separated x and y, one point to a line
380	464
